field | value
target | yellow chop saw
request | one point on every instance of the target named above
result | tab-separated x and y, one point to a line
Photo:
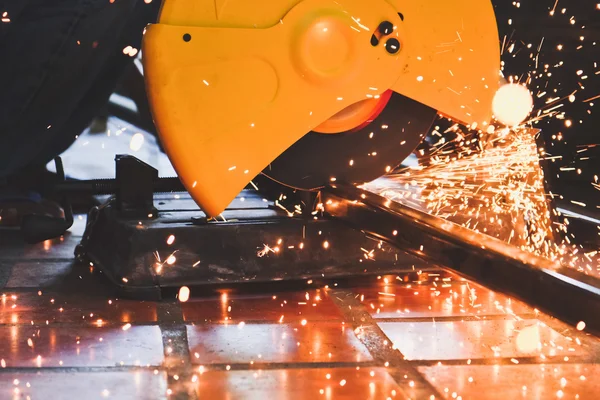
309	93
314	91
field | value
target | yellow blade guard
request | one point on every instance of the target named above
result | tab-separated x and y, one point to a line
233	84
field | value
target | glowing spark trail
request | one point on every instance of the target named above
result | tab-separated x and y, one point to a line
497	189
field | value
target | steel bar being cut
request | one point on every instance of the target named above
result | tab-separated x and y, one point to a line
561	291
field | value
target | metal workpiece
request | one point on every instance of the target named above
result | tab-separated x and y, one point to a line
252	243
564	293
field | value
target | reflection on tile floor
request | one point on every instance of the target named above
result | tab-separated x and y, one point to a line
548	381
299	384
312	342
435	295
86	346
12	247
478	339
293	306
42	307
36	274
139	385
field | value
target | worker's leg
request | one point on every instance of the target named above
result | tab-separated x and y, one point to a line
61	61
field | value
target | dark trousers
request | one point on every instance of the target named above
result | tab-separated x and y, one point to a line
60	60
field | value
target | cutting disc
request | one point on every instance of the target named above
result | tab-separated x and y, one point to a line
355	156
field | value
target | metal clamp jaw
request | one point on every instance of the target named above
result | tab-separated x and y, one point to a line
133	190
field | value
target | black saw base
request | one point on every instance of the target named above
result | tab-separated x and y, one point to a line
259	243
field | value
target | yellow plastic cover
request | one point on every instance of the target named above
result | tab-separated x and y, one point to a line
233	84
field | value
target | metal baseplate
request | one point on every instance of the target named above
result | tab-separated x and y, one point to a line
256	244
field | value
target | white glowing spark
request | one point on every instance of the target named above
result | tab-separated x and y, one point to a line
136	142
512	104
184	294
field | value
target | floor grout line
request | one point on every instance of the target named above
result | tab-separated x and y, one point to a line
504	361
190	368
97	369
177	361
380	346
440	319
105	324
458	318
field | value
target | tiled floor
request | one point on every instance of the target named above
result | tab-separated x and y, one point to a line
314	305
41	306
299	384
63	385
547	381
65	333
458	340
275	343
436	295
80	346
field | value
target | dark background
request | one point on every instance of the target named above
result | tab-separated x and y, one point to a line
530	23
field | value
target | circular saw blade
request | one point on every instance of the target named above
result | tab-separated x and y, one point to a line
355	157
